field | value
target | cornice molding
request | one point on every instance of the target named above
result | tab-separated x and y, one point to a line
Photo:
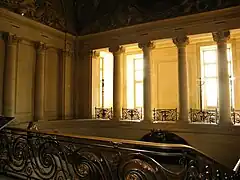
43	12
32	30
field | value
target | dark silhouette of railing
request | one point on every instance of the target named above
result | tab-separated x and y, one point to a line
35	155
165	115
103	113
131	114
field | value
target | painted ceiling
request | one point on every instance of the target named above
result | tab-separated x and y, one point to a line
82	17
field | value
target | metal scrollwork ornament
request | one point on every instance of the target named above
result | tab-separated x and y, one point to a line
140	167
89	165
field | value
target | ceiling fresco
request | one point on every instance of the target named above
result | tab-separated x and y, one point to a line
91	16
103	15
58	14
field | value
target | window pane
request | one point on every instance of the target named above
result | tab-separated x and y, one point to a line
138	75
230	70
209	56
229	54
108	80
100	94
138	64
101	63
130	82
101	75
211	92
139	94
210	70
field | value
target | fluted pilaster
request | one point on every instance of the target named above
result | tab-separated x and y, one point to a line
67	84
40	81
9	98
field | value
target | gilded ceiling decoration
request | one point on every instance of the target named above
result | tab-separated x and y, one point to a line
92	16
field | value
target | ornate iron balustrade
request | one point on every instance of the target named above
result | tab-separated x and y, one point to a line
235	116
35	155
103	113
212	116
132	114
203	116
165	115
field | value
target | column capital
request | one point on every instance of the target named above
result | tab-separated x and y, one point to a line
13	39
221	36
40	46
85	51
148	44
67	52
96	54
117	49
181	41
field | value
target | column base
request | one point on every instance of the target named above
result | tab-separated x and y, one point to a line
225	123
182	122
116	119
147	121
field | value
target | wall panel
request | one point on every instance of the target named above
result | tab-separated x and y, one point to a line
25	81
51	84
166	77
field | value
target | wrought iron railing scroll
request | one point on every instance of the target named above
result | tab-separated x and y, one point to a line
235	116
35	155
103	113
132	114
165	115
204	116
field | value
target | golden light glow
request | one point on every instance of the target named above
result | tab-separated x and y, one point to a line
210	76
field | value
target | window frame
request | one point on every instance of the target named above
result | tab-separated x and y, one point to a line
204	78
137	81
101	79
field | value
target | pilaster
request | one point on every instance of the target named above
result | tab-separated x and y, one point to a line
39	95
9	98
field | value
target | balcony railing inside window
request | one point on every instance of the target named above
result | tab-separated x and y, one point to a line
204	116
103	113
211	116
165	115
235	116
134	114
